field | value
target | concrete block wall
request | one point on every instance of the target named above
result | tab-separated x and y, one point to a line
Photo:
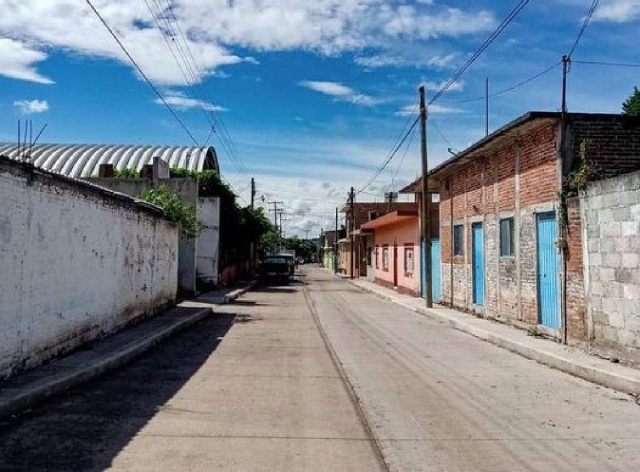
76	262
611	229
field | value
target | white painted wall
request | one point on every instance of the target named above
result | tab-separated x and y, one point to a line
75	263
208	242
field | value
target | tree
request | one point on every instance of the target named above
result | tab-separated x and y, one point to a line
631	106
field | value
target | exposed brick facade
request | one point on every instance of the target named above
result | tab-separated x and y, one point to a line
514	178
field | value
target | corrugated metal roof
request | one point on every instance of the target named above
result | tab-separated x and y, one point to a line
81	160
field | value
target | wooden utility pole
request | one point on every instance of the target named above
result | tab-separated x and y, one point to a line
275	210
352	196
335	246
426	199
253	192
486	106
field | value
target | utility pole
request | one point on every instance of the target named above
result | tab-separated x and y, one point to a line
352	196
306	232
426	198
335	246
253	192
275	216
486	105
565	67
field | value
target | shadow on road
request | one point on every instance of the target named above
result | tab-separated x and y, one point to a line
86	428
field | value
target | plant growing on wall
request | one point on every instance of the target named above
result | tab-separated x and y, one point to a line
174	210
576	181
127	173
239	226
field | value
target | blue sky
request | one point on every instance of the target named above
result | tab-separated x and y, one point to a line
313	94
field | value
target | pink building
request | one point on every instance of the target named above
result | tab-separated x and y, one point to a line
396	255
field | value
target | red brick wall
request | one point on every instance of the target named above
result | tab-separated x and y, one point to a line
487	188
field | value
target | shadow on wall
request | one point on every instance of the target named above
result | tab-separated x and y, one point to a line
87	428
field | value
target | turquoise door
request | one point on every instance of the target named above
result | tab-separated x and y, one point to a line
477	253
435	271
547	233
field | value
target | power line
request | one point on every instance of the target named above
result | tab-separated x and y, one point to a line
224	136
512	15
585	23
406	151
435	125
391	156
609	64
394	149
513	87
144	76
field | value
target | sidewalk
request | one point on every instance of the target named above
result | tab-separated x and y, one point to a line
567	359
98	357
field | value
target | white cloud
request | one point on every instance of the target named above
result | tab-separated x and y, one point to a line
182	102
340	92
322	26
17	61
618	11
432	109
436	86
32	106
391	60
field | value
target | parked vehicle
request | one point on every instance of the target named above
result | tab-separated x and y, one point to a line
276	268
291	260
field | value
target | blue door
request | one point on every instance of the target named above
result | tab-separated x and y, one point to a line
547	232
478	263
435	269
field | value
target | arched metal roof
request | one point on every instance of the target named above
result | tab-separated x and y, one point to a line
81	160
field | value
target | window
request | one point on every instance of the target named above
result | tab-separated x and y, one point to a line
458	240
506	237
385	258
377	257
408	259
373	215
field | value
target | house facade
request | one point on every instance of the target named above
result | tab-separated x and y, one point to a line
363	246
396	253
511	230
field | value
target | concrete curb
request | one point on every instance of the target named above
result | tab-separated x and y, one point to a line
615	380
29	395
229	297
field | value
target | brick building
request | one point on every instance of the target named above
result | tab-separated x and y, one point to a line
511	235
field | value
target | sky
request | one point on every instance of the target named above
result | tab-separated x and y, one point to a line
308	97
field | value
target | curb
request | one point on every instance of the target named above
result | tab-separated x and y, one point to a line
593	374
229	297
27	397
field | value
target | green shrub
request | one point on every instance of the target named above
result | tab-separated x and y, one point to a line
174	210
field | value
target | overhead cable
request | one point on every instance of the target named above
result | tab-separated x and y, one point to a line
140	71
512	15
585	23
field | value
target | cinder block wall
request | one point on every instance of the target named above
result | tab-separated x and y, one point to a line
76	262
611	222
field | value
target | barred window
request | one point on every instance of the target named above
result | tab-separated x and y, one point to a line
409	259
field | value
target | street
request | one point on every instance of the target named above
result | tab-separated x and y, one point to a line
257	387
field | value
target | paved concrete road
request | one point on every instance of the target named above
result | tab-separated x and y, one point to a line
253	388
441	400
